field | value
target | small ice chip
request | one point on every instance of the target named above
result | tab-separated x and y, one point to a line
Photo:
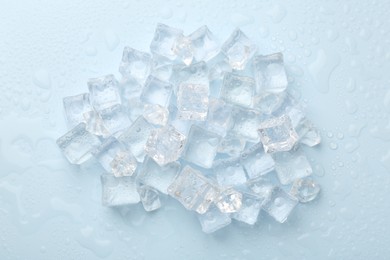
305	190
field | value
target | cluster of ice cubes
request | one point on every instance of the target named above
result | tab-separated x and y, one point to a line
213	127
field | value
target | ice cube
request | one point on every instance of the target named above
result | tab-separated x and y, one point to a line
130	89
229	200
156	114
193	190
95	124
115	158
104	92
308	133
183	49
196	73
118	191
250	208
165	145
204	44
77	144
115	119
219	119
201	147
149	197
246	124
238	90
162	70
229	172
213	220
291	166
231	145
156	91
135	137
156	176
192	101
75	107
270	73
277	134
164	41
267	103
238	49
305	190
280	205
136	64
261	186
257	163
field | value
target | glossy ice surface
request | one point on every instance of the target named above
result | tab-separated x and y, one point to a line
337	55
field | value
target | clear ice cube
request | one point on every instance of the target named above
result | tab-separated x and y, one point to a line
267	103
277	134
149	197
193	190
130	90
164	41
196	73
165	145
156	91
257	163
238	49
305	190
231	145
219	119
280	205
291	166
229	172
104	92
136	64
156	114
192	101
115	119
95	124
246	124
118	191
135	137
308	133
238	90
183	49
213	220
77	144
201	147
156	176
75	107
204	45
250	209
114	158
270	73
229	200
261	186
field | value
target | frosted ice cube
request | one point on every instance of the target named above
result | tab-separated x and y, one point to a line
308	133
280	205
229	200
246	124
149	197
192	101
104	92
201	147
238	89
277	134
229	172
270	73
183	49
291	166
250	209
135	137
136	64
118	191
114	158
193	190
156	176
75	107
156	114
219	119
213	220
115	119
164	41
257	163
231	145
165	145
204	45
305	190
238	49
77	144
156	91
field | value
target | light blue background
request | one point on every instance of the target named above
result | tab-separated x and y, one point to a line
338	55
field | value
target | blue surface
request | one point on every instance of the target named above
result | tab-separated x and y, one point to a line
337	54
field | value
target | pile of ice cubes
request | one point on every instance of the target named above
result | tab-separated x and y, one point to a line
214	127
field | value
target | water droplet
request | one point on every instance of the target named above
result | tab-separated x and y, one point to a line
351	106
277	13
42	79
351	85
333	146
112	40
